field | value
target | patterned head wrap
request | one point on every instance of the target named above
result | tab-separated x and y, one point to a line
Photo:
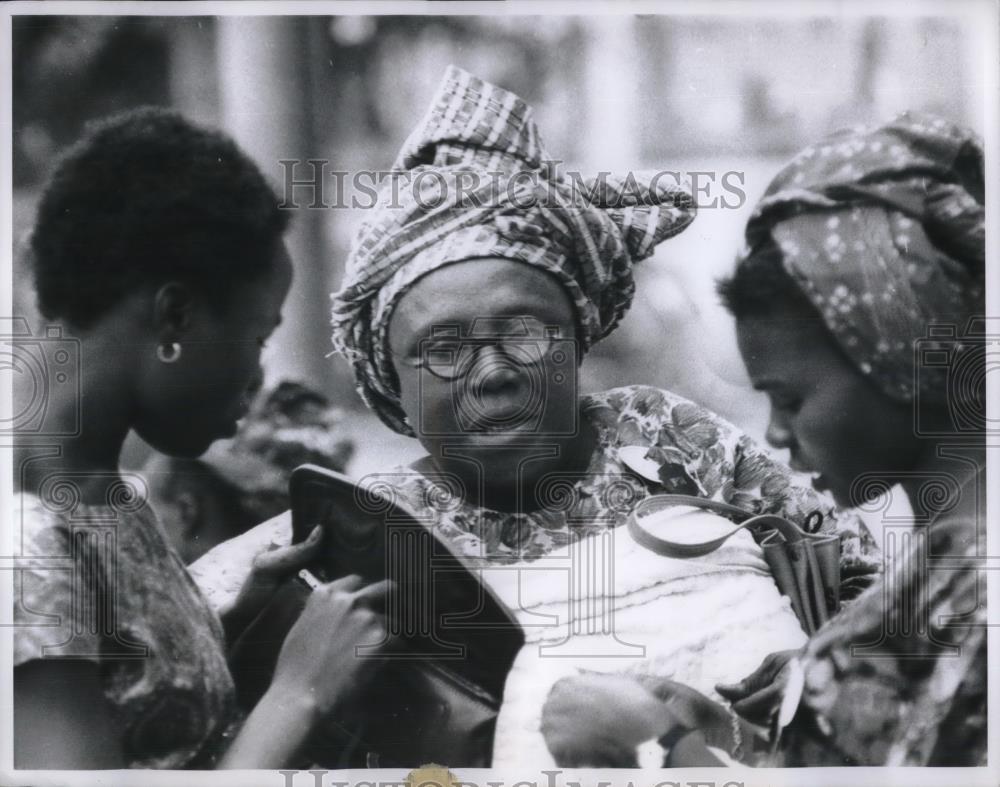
884	230
474	181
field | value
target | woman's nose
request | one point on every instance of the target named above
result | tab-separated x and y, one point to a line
779	434
494	370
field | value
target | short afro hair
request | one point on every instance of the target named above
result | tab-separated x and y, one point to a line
760	287
146	197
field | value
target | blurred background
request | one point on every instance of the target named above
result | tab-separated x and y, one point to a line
711	95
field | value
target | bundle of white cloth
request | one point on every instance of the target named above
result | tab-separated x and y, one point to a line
608	604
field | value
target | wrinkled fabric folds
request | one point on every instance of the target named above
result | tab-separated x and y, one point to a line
474	181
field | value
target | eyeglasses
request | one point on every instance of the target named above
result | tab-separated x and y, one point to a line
521	341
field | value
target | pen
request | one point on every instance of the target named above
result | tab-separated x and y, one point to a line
309	578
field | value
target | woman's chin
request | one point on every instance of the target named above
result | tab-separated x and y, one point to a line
841	494
505	443
823	484
184	446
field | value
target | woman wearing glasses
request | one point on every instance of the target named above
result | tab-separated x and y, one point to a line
467	309
471	296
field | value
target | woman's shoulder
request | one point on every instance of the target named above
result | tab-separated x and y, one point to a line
47	529
100	582
59	576
640	398
641	413
52	517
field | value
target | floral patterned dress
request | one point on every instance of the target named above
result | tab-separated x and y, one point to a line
102	583
899	678
697	453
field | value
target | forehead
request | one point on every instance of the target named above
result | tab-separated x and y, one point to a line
260	298
479	289
786	348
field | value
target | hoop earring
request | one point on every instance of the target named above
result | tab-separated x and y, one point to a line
168	353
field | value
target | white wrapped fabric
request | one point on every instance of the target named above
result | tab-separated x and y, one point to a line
608	604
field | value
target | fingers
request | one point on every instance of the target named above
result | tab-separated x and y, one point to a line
335	603
374	595
363	595
749	685
756	697
680	712
372	600
760	678
733	691
287	559
759	707
348	584
692	708
353	609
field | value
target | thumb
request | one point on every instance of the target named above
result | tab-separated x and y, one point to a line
287	559
733	691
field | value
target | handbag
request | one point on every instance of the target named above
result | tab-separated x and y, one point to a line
434	695
804	562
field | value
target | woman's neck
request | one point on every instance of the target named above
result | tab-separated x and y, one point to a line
87	418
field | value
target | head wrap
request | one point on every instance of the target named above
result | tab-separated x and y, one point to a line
884	230
474	181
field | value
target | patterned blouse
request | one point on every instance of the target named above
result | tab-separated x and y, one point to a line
159	644
696	453
899	677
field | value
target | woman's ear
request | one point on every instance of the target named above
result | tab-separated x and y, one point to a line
173	310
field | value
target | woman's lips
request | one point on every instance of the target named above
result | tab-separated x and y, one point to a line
507	419
501	426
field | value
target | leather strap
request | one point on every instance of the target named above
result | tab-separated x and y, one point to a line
738	515
663	547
